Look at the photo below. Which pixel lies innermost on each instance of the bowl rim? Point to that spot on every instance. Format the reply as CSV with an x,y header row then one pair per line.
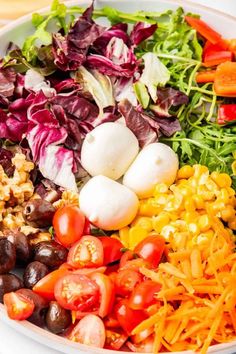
x,y
41,333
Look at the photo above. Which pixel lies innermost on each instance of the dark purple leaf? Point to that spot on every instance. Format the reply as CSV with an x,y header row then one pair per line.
x,y
5,161
168,126
117,31
167,97
138,123
66,85
142,31
107,67
7,80
4,102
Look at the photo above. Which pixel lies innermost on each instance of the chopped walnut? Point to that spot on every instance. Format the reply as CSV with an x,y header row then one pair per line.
x,y
68,197
39,237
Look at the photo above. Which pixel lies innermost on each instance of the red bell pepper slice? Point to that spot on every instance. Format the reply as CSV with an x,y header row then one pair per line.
x,y
203,29
216,58
226,113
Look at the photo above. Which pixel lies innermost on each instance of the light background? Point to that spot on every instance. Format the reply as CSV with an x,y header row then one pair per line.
x,y
12,342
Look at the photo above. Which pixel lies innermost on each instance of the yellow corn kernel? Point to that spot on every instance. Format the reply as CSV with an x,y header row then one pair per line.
x,y
199,202
193,228
211,185
160,221
232,225
146,209
124,236
224,195
136,235
161,188
185,172
190,216
204,223
228,213
189,205
205,194
144,222
199,170
222,179
217,206
231,191
168,232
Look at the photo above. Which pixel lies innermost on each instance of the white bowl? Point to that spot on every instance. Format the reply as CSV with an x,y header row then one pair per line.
x,y
16,32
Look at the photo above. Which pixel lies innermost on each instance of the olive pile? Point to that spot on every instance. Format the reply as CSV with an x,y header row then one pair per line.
x,y
38,260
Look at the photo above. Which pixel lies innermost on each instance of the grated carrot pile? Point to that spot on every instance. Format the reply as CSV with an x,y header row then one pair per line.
x,y
197,300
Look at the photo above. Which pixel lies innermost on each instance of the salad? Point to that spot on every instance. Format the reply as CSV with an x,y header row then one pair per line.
x,y
118,178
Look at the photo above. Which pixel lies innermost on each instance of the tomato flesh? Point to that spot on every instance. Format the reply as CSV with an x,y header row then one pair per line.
x,y
126,280
127,256
18,306
107,293
87,252
111,248
68,223
77,292
115,339
151,249
45,286
143,295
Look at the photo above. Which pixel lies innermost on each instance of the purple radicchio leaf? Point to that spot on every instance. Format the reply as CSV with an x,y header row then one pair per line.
x,y
138,123
7,81
166,98
70,51
168,126
67,85
117,31
5,161
142,31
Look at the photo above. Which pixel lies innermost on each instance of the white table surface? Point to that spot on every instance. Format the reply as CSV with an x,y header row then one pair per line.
x,y
13,342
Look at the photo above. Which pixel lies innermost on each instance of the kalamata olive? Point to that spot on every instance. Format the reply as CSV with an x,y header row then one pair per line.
x,y
33,273
9,282
41,305
38,213
23,249
7,256
50,253
57,318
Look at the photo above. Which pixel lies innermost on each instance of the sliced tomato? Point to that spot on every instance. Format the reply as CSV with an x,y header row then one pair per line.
x,y
127,256
151,249
107,293
143,347
127,317
89,271
90,331
18,306
45,286
126,281
143,295
77,292
112,269
111,248
78,315
203,29
136,264
68,223
115,339
87,227
87,252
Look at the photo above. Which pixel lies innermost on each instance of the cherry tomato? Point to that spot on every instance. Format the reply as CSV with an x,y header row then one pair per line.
x,y
136,264
112,249
107,293
151,249
115,339
89,271
78,315
127,317
87,227
112,269
87,252
90,331
45,286
77,292
68,223
127,256
18,306
126,280
143,347
143,295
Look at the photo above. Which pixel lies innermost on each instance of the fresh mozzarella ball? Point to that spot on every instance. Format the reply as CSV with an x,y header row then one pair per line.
x,y
107,204
109,150
156,163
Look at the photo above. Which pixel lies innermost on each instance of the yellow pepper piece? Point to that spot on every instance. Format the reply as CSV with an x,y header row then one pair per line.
x,y
124,236
136,235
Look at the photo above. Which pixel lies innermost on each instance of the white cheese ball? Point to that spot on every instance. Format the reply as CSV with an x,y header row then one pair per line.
x,y
156,163
107,204
108,150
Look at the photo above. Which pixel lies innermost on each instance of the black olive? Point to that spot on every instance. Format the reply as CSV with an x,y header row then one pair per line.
x,y
57,318
39,213
7,256
41,305
21,243
9,282
33,273
50,253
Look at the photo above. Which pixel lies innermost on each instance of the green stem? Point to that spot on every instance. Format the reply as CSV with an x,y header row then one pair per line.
x,y
176,57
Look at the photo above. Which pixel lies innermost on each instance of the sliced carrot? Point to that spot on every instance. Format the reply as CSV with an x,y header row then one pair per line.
x,y
203,29
225,79
203,77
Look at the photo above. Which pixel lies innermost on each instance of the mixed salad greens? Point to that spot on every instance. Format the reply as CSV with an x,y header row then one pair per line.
x,y
72,80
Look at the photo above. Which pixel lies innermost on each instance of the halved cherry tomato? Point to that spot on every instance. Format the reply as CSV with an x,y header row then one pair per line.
x,y
136,264
127,256
151,249
77,292
87,227
203,29
112,269
89,271
115,339
87,252
111,248
107,293
68,223
144,347
126,280
143,295
90,331
127,317
45,286
78,315
18,306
